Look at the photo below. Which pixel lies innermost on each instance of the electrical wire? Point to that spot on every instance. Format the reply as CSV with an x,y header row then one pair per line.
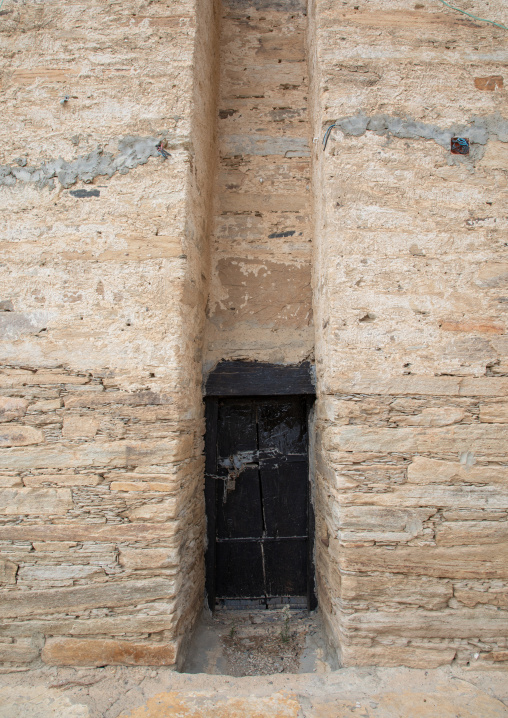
x,y
327,135
475,17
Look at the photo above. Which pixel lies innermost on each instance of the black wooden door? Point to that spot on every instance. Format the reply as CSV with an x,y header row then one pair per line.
x,y
257,471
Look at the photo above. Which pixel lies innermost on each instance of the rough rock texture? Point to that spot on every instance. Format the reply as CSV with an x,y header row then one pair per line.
x,y
126,271
409,284
105,271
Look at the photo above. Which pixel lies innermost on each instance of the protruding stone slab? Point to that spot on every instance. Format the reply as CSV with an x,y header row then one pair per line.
x,y
15,435
12,408
37,502
107,652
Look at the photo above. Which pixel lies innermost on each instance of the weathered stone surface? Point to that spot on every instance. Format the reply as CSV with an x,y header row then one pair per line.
x,y
88,532
473,533
155,511
148,558
487,441
12,408
386,655
472,598
433,417
494,413
428,471
8,571
440,562
362,382
455,496
102,652
93,454
15,435
38,502
448,623
46,405
118,593
110,626
168,487
60,575
20,651
79,427
395,588
117,292
10,481
62,480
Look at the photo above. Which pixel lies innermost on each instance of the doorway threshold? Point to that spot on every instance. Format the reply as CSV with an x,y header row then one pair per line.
x,y
242,642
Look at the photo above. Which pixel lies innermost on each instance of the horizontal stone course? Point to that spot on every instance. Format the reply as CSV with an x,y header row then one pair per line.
x,y
79,598
104,652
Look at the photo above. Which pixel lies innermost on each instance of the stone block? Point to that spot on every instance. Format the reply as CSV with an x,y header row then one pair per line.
x,y
62,480
413,623
482,440
8,571
21,650
443,416
59,574
428,471
135,398
381,590
89,532
154,511
437,561
472,533
392,655
15,435
489,84
46,405
53,546
79,427
454,496
105,626
483,327
471,597
12,408
80,598
134,559
95,454
7,482
166,487
362,382
484,386
494,413
107,652
37,502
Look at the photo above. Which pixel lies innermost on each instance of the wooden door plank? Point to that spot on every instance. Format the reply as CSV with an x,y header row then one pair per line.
x,y
239,510
211,414
286,567
285,500
239,569
241,378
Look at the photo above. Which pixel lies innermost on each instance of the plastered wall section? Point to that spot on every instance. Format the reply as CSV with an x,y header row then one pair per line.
x,y
259,307
104,268
411,350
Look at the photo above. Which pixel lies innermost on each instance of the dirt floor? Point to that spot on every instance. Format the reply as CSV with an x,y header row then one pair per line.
x,y
295,678
257,643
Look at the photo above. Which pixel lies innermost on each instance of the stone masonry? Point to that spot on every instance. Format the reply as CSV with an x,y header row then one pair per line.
x,y
128,274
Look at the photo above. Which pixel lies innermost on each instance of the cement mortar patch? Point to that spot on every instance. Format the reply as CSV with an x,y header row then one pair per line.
x,y
479,130
132,152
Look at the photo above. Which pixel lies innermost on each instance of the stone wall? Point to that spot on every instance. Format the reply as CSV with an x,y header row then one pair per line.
x,y
124,273
104,285
411,352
